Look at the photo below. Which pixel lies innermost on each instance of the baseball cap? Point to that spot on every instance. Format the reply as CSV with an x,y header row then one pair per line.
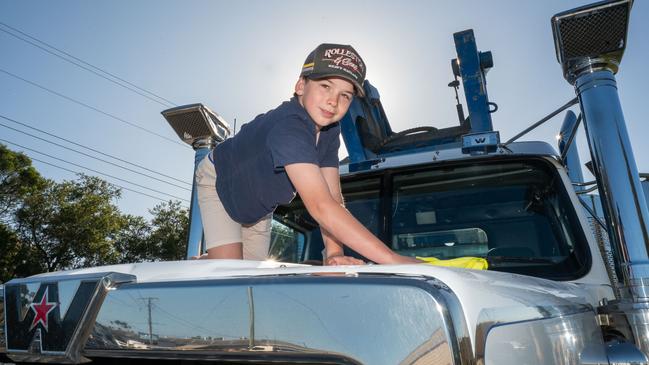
x,y
339,60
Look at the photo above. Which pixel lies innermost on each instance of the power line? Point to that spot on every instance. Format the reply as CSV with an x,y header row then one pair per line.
x,y
87,155
95,171
167,103
92,108
119,186
94,150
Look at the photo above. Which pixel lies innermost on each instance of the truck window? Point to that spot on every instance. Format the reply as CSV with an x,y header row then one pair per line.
x,y
515,213
286,243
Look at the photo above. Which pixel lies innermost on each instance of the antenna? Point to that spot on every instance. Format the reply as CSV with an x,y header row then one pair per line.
x,y
460,111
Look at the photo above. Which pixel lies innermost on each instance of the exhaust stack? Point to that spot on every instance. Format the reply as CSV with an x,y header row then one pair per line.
x,y
202,129
590,43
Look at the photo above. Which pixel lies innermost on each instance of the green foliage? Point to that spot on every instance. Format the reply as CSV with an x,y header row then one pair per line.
x,y
70,223
49,226
170,225
15,257
131,242
17,178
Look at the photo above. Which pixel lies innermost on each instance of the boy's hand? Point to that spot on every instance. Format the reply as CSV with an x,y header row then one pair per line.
x,y
343,260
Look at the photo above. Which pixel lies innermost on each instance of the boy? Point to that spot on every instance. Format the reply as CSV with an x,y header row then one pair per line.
x,y
291,148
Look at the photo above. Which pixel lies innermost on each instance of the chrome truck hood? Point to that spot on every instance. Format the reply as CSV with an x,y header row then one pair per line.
x,y
223,309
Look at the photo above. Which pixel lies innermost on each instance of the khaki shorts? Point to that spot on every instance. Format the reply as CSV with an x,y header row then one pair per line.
x,y
218,227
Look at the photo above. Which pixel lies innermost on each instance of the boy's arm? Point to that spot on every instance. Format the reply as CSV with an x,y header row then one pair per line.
x,y
333,248
335,219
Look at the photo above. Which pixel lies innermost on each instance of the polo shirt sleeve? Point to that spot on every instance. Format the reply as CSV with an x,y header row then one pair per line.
x,y
330,157
291,141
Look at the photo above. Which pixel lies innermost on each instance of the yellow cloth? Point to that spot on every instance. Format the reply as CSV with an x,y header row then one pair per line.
x,y
468,262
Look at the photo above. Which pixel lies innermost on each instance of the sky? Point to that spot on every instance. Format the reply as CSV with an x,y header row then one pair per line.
x,y
242,58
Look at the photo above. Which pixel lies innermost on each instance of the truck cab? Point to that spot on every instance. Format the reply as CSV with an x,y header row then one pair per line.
x,y
516,207
555,292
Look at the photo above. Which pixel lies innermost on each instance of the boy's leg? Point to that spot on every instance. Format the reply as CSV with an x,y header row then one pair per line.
x,y
222,234
256,239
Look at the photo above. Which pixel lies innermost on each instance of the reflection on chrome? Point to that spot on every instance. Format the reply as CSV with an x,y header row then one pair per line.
x,y
366,320
569,339
631,319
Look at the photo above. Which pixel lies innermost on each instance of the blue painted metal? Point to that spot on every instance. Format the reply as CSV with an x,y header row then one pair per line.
x,y
376,139
360,108
471,66
350,133
572,160
195,240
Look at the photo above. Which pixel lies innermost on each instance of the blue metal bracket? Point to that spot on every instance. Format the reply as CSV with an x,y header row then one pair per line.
x,y
471,66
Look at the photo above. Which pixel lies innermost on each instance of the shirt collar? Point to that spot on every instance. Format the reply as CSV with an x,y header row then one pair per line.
x,y
295,105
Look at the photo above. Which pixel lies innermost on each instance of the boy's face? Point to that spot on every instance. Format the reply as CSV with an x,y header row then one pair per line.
x,y
326,100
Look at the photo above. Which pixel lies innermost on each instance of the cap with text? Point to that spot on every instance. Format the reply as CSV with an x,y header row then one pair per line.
x,y
335,60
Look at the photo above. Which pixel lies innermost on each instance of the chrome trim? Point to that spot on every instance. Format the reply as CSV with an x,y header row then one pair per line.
x,y
491,318
568,149
623,201
204,357
514,149
29,288
591,65
560,340
630,319
624,353
456,323
379,319
195,229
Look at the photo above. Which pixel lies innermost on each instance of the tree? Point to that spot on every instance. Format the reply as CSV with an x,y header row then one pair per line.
x,y
70,224
17,178
49,226
132,243
170,227
16,260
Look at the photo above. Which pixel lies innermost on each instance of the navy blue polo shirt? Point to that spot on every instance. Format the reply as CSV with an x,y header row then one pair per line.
x,y
251,180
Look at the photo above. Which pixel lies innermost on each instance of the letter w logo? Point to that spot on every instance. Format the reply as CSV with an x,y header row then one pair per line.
x,y
480,140
40,318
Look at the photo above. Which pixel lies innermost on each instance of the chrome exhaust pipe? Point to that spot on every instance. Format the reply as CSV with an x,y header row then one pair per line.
x,y
590,43
202,129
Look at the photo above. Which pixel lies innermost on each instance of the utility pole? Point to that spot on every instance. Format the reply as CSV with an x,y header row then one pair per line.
x,y
149,301
251,312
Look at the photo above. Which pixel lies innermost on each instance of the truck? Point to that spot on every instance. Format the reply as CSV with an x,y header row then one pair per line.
x,y
567,279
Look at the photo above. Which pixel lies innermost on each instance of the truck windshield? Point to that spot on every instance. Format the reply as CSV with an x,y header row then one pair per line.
x,y
516,214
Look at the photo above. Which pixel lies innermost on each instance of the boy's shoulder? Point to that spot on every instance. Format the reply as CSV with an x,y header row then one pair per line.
x,y
291,107
287,112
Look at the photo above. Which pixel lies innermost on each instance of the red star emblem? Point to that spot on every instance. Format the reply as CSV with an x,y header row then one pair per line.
x,y
42,310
